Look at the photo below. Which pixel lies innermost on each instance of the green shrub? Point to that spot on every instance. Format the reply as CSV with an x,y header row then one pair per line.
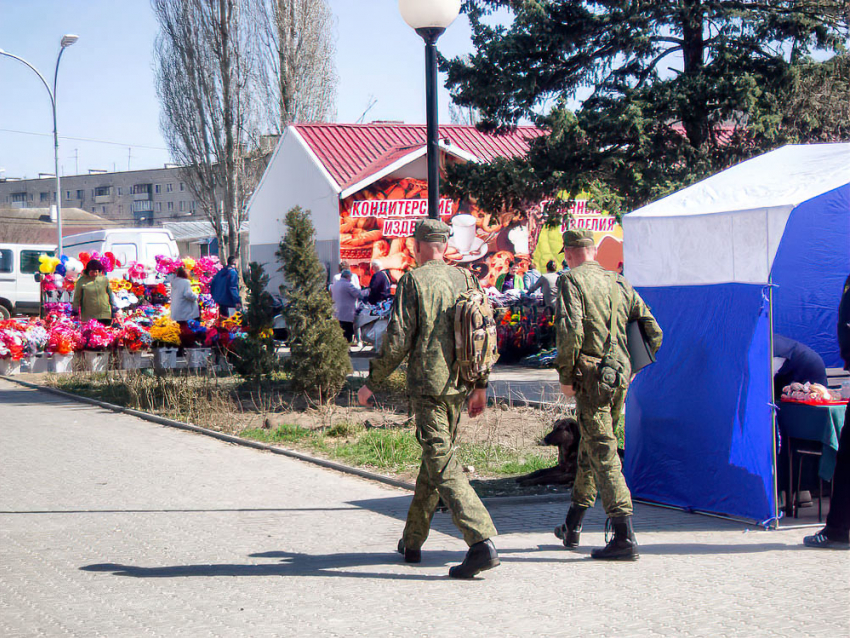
x,y
318,363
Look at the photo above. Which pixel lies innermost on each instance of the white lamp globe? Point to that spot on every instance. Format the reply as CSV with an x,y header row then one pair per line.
x,y
429,14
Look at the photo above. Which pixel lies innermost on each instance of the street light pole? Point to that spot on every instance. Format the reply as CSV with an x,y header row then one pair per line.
x,y
67,40
430,19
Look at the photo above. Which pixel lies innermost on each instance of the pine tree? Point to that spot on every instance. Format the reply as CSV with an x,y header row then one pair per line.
x,y
254,356
640,97
319,361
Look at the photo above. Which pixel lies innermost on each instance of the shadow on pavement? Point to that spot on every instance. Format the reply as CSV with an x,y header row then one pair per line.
x,y
297,564
185,511
291,564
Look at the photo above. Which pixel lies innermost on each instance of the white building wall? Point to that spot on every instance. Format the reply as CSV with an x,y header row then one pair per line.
x,y
294,177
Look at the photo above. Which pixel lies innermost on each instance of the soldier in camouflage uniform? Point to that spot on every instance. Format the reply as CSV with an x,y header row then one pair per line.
x,y
422,328
596,368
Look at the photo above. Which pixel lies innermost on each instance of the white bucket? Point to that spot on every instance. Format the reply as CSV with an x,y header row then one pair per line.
x,y
96,361
61,363
40,364
165,358
131,360
26,363
9,368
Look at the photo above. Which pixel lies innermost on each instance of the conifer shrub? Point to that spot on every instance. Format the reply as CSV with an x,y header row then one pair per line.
x,y
318,364
254,356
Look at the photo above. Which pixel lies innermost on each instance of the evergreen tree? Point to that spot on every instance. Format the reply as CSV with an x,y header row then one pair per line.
x,y
646,95
254,356
319,361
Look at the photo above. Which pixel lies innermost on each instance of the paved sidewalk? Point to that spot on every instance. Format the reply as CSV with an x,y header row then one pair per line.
x,y
113,526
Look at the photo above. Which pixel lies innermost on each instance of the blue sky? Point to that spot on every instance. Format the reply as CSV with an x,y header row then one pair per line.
x,y
106,89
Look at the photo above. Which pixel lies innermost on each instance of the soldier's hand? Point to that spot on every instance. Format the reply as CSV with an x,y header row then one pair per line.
x,y
477,402
363,396
568,390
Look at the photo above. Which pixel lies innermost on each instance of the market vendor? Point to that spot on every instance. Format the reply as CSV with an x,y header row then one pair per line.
x,y
510,280
93,297
801,364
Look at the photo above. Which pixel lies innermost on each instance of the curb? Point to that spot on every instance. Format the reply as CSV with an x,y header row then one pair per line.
x,y
346,469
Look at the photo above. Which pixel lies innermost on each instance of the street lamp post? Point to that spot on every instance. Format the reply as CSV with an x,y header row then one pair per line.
x,y
430,18
67,40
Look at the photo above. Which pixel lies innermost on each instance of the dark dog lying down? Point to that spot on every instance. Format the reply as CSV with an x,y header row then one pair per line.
x,y
566,435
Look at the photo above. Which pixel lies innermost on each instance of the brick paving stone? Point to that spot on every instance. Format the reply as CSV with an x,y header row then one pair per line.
x,y
113,526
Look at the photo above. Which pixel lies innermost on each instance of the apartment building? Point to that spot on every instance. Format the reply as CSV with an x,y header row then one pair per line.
x,y
148,197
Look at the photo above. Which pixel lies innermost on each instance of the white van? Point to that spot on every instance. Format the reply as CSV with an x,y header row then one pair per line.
x,y
19,291
127,244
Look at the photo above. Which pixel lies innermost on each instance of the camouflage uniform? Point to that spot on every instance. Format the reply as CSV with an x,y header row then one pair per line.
x,y
422,328
582,320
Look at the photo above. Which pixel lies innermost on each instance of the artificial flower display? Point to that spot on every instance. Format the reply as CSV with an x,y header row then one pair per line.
x,y
166,331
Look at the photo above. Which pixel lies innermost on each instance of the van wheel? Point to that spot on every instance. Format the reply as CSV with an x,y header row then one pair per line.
x,y
4,313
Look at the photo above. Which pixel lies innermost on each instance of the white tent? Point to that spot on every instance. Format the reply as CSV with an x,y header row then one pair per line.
x,y
762,246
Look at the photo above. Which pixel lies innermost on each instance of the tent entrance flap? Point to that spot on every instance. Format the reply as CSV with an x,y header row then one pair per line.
x,y
699,427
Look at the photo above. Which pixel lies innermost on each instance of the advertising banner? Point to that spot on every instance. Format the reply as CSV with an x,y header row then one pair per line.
x,y
378,223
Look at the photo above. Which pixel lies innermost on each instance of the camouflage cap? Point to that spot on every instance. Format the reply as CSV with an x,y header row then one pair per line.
x,y
432,230
578,239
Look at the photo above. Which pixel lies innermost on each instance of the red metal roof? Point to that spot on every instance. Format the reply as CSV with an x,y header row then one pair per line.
x,y
352,152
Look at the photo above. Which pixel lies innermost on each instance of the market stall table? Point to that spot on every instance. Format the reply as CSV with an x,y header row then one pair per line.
x,y
809,422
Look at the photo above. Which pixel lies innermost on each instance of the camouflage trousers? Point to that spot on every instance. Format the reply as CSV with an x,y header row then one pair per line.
x,y
441,475
599,467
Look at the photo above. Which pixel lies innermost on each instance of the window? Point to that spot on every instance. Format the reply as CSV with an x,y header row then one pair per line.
x,y
159,207
101,191
156,188
6,258
192,205
143,206
168,188
44,197
29,260
103,209
182,206
19,197
67,194
182,187
80,194
120,208
170,207
141,189
120,191
125,253
204,250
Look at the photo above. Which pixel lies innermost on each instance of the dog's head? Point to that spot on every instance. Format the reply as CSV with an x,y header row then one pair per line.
x,y
564,433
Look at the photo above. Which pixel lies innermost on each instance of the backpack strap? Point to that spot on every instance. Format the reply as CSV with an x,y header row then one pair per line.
x,y
613,333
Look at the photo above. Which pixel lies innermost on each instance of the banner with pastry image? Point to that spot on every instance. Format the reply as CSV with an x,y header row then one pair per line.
x,y
378,223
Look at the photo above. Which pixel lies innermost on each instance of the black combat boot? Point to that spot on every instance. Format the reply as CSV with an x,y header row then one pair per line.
x,y
410,555
570,531
480,557
623,546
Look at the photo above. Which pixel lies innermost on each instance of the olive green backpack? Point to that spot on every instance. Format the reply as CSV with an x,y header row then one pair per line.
x,y
476,339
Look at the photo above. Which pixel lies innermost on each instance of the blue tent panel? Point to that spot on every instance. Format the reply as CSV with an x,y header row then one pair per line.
x,y
809,270
699,427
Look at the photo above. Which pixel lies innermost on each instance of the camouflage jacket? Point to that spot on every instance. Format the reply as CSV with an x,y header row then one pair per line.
x,y
422,327
583,313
